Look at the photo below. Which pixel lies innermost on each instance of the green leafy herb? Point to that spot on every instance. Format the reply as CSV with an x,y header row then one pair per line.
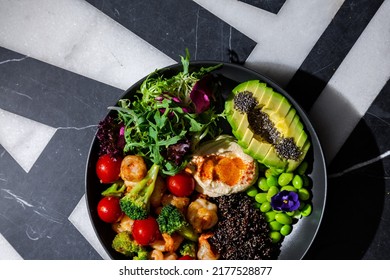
x,y
162,116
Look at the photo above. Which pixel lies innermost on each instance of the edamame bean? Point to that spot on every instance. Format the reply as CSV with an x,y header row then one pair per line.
x,y
265,207
306,180
306,210
283,218
301,169
272,181
275,236
261,197
285,230
285,178
291,213
263,184
289,188
271,192
270,216
297,182
268,173
252,191
303,194
275,225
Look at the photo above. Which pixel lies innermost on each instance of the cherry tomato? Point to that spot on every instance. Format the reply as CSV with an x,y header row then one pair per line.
x,y
186,257
181,184
108,209
145,231
108,169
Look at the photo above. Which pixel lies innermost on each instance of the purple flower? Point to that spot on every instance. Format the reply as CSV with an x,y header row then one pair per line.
x,y
285,201
201,94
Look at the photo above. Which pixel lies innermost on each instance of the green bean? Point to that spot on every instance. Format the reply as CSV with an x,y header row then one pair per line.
x,y
306,210
261,197
285,178
283,218
286,230
275,236
303,194
297,182
265,207
262,184
275,225
272,181
252,191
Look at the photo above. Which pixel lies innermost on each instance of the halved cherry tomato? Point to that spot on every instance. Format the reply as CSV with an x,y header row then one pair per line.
x,y
181,184
109,210
108,169
186,257
145,231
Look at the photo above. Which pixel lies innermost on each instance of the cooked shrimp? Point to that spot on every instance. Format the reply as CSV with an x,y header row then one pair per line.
x,y
170,256
169,243
202,214
205,251
124,224
133,168
156,255
180,202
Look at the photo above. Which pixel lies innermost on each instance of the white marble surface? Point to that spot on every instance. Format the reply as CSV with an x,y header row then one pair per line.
x,y
7,252
355,85
74,35
23,138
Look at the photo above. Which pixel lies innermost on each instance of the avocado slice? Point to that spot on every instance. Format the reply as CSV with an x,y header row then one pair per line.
x,y
266,126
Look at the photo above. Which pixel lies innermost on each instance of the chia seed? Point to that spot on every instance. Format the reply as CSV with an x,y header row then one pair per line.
x,y
261,125
287,149
244,102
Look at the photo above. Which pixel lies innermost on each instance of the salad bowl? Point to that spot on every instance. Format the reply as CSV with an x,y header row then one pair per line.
x,y
296,244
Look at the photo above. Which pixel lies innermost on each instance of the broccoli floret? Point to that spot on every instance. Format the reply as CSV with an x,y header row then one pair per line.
x,y
125,244
116,189
188,248
171,220
136,202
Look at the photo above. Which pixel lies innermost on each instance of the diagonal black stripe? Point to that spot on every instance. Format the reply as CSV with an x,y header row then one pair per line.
x,y
330,50
173,25
273,6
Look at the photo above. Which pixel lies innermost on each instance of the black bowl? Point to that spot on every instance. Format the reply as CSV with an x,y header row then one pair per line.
x,y
295,245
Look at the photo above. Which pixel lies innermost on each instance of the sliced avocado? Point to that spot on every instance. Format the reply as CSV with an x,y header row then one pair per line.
x,y
266,125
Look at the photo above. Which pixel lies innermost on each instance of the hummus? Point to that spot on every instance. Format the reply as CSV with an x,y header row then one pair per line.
x,y
220,167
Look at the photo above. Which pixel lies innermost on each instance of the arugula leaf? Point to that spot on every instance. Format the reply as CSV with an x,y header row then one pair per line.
x,y
161,116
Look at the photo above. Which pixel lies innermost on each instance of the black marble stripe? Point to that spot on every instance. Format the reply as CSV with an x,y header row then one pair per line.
x,y
51,95
330,50
272,6
34,210
173,25
364,191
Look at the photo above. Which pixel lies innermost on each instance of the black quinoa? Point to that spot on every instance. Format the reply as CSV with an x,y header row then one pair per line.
x,y
242,232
